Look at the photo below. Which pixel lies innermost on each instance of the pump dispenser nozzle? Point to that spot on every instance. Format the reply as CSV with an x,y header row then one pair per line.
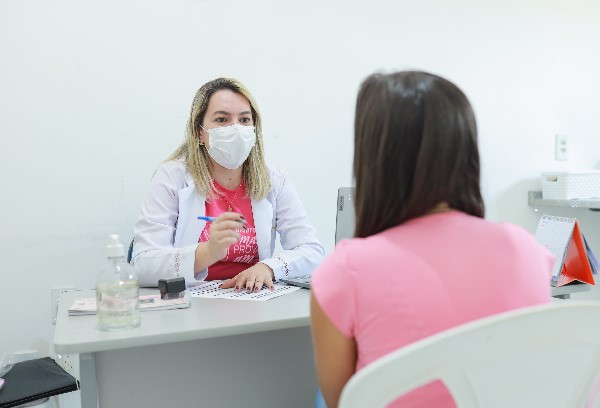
x,y
115,249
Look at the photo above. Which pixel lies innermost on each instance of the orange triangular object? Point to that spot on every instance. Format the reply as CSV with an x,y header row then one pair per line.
x,y
576,266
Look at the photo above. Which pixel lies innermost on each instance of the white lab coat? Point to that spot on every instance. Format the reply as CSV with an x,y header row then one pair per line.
x,y
167,232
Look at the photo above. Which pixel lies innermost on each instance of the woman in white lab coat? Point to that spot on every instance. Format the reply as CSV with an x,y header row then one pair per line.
x,y
219,173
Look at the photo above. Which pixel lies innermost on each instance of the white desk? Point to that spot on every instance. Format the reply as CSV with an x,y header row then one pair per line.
x,y
217,353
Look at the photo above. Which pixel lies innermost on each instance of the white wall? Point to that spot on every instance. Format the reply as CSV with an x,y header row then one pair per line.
x,y
93,95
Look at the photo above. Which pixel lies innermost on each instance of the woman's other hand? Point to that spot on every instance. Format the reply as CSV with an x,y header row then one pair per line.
x,y
251,279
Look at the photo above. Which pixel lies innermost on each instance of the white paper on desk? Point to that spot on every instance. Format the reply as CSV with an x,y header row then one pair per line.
x,y
211,290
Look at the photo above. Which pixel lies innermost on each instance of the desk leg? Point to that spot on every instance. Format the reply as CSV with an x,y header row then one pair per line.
x,y
87,378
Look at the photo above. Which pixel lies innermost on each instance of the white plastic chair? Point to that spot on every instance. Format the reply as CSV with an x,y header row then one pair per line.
x,y
542,356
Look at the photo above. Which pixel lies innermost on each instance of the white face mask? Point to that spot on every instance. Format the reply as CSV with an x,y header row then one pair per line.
x,y
230,145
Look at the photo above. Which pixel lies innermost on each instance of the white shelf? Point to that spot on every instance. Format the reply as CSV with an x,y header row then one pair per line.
x,y
564,292
535,200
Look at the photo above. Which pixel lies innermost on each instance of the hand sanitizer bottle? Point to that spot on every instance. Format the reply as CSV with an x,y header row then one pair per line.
x,y
117,292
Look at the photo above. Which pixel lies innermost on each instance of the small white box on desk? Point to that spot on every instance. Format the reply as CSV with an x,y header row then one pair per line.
x,y
569,185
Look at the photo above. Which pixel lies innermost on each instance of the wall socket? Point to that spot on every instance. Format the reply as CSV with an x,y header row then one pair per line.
x,y
69,363
561,147
55,296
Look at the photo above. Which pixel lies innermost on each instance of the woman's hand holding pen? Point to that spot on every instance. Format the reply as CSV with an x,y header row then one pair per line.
x,y
223,234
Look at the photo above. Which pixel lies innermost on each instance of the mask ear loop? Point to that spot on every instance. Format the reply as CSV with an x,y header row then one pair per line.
x,y
199,141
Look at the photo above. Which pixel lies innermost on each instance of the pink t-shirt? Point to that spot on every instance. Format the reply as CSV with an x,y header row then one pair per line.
x,y
244,253
427,275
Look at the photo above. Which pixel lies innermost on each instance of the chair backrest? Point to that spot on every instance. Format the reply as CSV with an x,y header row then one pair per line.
x,y
542,356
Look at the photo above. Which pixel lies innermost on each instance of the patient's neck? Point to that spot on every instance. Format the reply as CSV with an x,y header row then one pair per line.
x,y
440,208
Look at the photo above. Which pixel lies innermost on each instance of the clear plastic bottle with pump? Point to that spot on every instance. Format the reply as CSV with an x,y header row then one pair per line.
x,y
117,291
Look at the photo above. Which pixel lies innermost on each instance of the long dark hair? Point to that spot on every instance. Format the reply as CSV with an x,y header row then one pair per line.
x,y
415,146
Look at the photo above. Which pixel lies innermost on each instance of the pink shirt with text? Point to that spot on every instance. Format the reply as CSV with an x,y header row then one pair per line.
x,y
244,253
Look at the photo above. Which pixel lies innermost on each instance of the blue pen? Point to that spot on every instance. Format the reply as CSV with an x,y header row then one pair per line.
x,y
211,219
207,218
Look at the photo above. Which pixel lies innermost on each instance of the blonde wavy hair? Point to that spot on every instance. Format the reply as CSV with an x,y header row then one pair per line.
x,y
254,171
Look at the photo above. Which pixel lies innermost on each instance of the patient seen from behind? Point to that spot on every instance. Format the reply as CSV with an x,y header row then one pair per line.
x,y
423,258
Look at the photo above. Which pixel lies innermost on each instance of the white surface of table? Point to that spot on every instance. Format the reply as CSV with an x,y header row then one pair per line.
x,y
216,353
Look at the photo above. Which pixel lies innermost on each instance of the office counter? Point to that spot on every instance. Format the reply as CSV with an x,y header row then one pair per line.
x,y
217,353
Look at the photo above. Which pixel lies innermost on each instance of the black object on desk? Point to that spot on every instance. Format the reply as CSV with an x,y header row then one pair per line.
x,y
171,288
32,380
302,281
